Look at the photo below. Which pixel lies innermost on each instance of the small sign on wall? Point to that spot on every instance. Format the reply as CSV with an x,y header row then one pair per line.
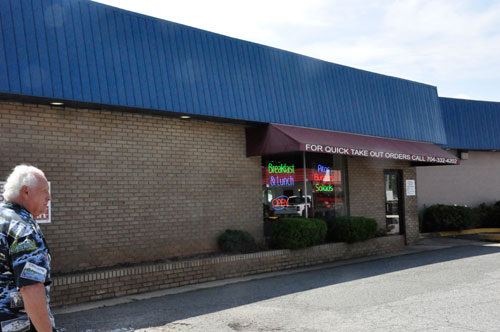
x,y
44,218
410,188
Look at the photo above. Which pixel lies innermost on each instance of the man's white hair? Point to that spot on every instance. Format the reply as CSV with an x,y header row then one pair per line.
x,y
22,175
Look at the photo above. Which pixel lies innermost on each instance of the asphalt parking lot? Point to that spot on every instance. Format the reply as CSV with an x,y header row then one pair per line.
x,y
437,285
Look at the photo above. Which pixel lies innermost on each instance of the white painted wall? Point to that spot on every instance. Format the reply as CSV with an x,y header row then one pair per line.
x,y
474,181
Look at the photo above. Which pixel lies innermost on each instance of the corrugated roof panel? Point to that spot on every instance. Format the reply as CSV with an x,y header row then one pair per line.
x,y
187,76
219,76
63,23
203,67
342,96
384,120
78,41
168,72
85,51
97,48
308,71
320,100
115,46
4,78
471,124
214,76
110,62
33,71
281,96
144,68
72,45
25,65
252,85
88,64
268,103
153,60
324,93
226,85
10,48
236,79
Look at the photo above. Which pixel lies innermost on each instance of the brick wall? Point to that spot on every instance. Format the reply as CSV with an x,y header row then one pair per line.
x,y
411,207
130,188
92,286
367,191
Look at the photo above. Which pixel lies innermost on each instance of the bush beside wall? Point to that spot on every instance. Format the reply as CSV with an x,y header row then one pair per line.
x,y
296,233
351,229
439,217
488,215
236,241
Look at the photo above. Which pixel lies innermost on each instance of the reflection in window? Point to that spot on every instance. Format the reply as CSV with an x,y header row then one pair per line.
x,y
284,192
325,178
283,184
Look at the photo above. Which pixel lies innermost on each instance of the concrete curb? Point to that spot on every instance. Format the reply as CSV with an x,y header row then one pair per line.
x,y
494,237
470,231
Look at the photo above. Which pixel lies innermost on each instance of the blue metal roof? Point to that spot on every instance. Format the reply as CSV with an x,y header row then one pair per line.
x,y
83,51
471,124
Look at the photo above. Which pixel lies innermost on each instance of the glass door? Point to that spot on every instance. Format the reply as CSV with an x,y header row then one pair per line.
x,y
394,202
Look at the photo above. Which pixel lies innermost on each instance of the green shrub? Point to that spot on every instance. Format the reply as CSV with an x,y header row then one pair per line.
x,y
439,217
296,233
236,241
317,231
351,229
495,214
488,215
484,214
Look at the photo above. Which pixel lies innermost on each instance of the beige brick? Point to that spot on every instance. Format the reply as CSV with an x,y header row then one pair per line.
x,y
122,194
367,191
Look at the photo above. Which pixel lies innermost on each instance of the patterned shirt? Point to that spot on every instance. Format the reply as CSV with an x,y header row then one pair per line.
x,y
24,260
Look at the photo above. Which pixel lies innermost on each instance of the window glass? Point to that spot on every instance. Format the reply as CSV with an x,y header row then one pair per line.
x,y
283,185
285,195
326,185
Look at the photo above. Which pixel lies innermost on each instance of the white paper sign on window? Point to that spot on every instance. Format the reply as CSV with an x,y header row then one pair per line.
x,y
44,218
410,188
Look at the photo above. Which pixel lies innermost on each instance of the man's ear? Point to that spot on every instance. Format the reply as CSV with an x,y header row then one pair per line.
x,y
24,191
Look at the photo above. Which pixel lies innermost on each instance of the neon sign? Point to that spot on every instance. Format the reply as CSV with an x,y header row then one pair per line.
x,y
282,181
334,176
280,202
282,168
323,169
326,174
323,188
282,175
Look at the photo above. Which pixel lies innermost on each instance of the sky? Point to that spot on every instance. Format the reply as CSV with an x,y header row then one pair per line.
x,y
451,44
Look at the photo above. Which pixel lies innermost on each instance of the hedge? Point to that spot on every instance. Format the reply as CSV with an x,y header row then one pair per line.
x,y
296,233
236,241
351,229
439,217
488,215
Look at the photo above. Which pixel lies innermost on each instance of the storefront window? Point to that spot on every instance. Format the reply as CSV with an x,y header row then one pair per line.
x,y
286,194
283,185
325,175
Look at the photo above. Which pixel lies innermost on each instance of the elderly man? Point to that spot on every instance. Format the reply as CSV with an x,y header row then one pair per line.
x,y
24,254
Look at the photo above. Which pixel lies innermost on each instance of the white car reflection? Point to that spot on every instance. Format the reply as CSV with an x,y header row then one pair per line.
x,y
296,207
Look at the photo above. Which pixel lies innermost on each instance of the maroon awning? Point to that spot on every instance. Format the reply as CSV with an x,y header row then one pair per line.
x,y
274,138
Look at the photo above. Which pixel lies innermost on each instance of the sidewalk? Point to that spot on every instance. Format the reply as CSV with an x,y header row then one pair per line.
x,y
424,244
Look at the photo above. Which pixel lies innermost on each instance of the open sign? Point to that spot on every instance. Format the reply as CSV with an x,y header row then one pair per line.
x,y
44,218
280,202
